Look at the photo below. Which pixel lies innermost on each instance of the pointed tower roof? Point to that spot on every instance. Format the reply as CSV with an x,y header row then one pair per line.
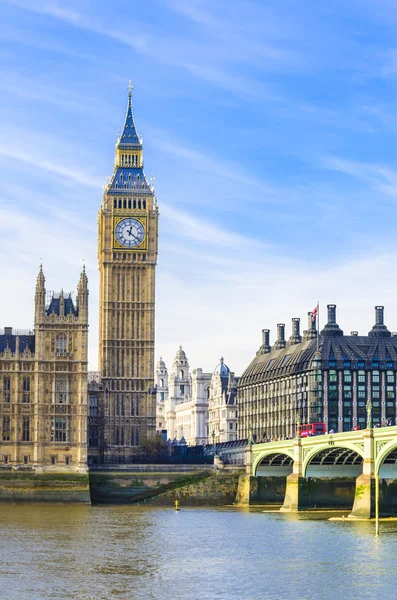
x,y
40,282
83,281
128,177
129,138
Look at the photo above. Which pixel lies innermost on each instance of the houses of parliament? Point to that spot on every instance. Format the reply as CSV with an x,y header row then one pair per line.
x,y
51,411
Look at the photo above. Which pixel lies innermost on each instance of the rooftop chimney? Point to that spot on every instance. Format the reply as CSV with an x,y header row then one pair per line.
x,y
355,333
311,332
379,328
296,336
265,348
332,327
280,343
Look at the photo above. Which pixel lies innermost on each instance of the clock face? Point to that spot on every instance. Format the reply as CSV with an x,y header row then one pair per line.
x,y
130,232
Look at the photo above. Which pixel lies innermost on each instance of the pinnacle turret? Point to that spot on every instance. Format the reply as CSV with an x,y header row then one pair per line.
x,y
40,282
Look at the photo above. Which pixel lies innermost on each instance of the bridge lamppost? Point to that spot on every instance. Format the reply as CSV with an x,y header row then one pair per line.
x,y
369,414
298,422
250,435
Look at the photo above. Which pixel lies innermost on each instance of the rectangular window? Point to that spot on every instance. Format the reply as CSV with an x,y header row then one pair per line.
x,y
6,429
181,390
93,407
26,429
62,390
347,376
26,459
6,389
6,458
390,377
26,390
333,376
361,377
375,376
93,436
60,429
162,396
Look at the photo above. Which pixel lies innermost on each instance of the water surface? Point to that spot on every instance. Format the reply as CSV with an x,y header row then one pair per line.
x,y
141,553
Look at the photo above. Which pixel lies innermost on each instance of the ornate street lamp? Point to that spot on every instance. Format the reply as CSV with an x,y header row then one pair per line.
x,y
369,414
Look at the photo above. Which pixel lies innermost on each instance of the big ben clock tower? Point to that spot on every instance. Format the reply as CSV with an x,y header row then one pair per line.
x,y
127,254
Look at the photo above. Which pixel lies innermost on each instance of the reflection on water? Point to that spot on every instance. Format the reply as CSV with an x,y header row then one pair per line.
x,y
141,553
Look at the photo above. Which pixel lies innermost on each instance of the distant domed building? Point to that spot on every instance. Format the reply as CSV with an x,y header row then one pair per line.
x,y
222,407
182,401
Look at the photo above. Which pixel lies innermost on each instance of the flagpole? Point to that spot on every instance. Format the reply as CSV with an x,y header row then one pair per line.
x,y
318,322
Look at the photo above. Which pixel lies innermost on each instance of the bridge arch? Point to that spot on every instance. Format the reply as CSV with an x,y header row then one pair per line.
x,y
273,458
388,451
333,459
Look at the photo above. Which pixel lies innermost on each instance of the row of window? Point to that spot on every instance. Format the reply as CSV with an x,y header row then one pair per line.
x,y
61,390
130,160
60,429
128,203
26,459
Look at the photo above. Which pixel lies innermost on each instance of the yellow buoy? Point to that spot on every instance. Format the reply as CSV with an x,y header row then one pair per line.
x,y
177,505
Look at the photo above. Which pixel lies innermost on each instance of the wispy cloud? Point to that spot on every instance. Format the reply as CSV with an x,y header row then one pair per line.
x,y
30,157
380,177
202,230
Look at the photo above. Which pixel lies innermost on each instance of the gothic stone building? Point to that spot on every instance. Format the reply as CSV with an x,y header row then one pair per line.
x,y
43,378
127,256
296,381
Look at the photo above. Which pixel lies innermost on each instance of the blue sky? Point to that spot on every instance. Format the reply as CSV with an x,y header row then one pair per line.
x,y
270,129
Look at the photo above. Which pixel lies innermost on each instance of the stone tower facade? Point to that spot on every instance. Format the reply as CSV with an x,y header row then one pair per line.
x,y
43,378
127,255
161,394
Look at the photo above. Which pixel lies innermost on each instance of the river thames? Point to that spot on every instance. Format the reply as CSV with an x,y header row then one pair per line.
x,y
142,553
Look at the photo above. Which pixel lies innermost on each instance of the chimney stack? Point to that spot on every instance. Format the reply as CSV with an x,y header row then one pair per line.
x,y
280,343
332,327
311,332
379,328
265,348
296,336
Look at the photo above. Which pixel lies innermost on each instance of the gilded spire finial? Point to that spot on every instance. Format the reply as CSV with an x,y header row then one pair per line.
x,y
130,88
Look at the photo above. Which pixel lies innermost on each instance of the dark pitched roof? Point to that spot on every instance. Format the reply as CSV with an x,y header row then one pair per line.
x,y
9,340
337,351
54,306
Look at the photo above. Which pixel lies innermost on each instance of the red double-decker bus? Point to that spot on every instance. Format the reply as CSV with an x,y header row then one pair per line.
x,y
311,429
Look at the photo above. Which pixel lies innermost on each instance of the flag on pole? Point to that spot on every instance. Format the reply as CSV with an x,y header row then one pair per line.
x,y
314,313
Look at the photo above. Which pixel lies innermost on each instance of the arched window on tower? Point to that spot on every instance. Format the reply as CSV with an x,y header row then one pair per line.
x,y
115,203
129,203
181,374
144,204
125,201
119,202
161,382
139,204
129,176
134,203
138,177
60,344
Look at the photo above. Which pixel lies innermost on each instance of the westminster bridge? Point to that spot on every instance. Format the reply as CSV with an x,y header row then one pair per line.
x,y
325,471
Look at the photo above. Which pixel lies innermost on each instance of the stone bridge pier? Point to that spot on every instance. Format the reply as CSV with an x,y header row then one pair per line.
x,y
332,470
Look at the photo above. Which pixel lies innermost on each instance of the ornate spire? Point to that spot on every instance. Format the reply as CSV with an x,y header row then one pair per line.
x,y
83,282
129,138
40,283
